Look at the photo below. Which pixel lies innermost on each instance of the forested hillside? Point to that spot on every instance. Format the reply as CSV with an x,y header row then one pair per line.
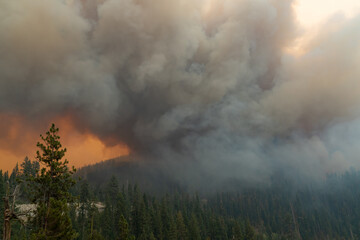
x,y
121,210
214,119
147,175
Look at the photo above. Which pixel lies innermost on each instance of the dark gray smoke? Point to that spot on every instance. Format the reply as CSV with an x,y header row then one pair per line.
x,y
205,86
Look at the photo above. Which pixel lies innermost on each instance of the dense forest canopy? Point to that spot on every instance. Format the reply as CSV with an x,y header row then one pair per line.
x,y
120,209
236,122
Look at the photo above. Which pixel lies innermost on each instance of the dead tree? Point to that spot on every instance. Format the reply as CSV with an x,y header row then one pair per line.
x,y
9,211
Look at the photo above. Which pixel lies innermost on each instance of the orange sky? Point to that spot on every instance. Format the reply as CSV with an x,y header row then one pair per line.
x,y
17,141
82,148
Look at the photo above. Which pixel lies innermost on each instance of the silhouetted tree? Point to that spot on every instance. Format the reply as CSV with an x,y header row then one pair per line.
x,y
50,189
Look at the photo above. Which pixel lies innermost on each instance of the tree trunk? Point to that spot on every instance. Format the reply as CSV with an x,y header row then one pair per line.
x,y
7,226
9,212
7,218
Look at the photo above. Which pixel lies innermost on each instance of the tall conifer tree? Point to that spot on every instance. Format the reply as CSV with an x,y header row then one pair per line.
x,y
50,189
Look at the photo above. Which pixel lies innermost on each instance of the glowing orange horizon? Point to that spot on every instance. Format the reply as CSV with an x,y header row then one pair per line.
x,y
83,148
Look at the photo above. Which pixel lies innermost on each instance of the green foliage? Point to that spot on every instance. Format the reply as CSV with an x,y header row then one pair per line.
x,y
237,232
194,229
182,232
95,235
91,224
54,179
138,216
113,212
29,168
249,233
50,188
108,225
124,231
112,191
84,192
58,223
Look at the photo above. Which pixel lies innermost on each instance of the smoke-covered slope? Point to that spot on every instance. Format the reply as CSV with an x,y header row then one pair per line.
x,y
282,210
148,177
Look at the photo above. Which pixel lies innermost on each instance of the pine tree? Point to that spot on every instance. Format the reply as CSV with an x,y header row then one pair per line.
x,y
73,213
84,209
13,176
139,218
58,223
124,232
152,237
172,231
156,222
194,230
237,233
181,228
249,233
50,187
94,222
121,207
112,191
95,235
28,169
108,221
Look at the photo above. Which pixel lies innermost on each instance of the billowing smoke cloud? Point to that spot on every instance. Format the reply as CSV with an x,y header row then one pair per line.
x,y
205,86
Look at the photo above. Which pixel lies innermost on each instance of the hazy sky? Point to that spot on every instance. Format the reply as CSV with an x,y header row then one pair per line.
x,y
183,81
313,12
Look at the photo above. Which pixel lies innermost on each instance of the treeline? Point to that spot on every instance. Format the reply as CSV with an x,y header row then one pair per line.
x,y
148,175
57,208
125,212
131,214
122,211
285,210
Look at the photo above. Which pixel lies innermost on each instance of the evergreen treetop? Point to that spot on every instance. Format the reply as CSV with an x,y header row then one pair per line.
x,y
54,179
51,190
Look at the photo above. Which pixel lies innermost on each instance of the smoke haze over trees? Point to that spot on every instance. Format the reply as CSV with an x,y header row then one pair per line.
x,y
119,209
206,90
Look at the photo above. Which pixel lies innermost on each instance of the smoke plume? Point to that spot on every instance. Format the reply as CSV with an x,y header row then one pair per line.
x,y
207,88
